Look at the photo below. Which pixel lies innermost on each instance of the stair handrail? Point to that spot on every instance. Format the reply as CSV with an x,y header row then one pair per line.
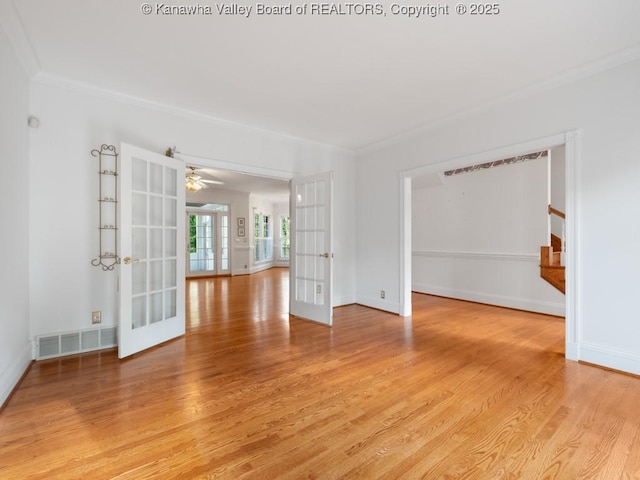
x,y
556,212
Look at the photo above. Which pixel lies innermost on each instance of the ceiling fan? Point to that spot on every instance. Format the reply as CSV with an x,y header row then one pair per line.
x,y
195,182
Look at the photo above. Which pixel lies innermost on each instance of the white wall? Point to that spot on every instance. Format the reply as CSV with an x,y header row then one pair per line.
x,y
557,191
64,287
477,237
501,209
606,109
15,349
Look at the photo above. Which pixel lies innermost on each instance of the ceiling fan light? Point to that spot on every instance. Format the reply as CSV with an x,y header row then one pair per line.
x,y
192,185
195,182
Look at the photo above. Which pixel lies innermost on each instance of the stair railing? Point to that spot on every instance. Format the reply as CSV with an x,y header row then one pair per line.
x,y
556,212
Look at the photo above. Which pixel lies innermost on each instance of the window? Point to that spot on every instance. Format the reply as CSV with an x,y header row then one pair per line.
x,y
263,236
285,241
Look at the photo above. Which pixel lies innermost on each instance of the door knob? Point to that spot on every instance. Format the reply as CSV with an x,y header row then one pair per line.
x,y
128,260
325,255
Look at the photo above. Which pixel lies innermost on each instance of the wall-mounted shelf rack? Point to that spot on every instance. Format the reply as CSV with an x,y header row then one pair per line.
x,y
107,207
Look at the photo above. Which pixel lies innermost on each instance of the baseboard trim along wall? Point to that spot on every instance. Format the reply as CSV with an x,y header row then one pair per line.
x,y
505,279
344,300
261,267
610,358
548,308
380,304
10,377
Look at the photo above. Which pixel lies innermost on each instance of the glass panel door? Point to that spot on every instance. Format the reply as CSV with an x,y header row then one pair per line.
x,y
311,248
202,252
151,295
207,243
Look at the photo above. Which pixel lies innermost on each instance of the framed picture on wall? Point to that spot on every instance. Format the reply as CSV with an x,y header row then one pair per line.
x,y
240,224
241,231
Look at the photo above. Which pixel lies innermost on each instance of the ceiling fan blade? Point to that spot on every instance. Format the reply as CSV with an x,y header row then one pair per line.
x,y
208,171
191,173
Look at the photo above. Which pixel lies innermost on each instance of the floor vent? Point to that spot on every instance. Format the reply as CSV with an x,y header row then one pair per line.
x,y
60,344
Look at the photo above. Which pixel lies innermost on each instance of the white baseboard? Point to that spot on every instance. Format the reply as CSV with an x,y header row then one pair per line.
x,y
240,271
572,351
10,377
380,304
548,308
607,357
258,268
261,267
344,300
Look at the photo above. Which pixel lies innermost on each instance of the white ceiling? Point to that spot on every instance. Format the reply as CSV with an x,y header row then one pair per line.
x,y
346,80
277,190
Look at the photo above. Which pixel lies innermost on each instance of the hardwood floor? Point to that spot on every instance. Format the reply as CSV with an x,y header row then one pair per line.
x,y
459,390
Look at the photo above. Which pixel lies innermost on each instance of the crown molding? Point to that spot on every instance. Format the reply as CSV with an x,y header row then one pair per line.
x,y
48,79
587,70
12,25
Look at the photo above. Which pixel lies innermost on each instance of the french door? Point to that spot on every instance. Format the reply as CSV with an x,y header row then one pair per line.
x,y
207,243
152,290
311,258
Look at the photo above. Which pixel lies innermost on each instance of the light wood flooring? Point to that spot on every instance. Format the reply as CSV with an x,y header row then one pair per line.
x,y
459,390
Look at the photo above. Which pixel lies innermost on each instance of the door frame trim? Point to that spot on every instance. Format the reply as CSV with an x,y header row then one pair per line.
x,y
571,140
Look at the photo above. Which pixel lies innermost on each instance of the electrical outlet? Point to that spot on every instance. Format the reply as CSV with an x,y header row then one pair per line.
x,y
382,294
96,317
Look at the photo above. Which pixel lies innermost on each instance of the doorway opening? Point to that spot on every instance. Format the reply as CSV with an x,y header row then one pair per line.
x,y
568,141
208,233
222,236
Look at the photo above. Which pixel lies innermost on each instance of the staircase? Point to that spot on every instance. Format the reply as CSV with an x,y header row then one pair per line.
x,y
550,268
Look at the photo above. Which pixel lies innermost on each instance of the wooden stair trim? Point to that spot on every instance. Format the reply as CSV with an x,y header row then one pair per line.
x,y
555,276
545,255
550,268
